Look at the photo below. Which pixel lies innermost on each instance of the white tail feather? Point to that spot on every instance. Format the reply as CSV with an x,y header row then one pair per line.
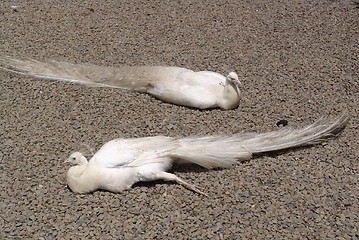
x,y
137,78
224,151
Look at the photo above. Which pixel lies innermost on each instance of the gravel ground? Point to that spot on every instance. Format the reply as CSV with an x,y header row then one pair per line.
x,y
298,60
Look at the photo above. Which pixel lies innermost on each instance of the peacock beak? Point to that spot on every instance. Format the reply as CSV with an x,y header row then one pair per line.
x,y
69,160
238,83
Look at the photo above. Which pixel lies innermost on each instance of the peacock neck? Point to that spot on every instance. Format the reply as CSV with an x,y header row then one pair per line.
x,y
231,95
77,179
232,86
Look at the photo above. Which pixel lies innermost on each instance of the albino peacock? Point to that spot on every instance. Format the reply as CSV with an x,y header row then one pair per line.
x,y
122,162
180,86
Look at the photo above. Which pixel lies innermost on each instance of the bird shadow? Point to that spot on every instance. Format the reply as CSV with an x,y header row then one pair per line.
x,y
152,184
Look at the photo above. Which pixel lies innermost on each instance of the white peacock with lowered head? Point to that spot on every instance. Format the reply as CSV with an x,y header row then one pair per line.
x,y
122,162
176,85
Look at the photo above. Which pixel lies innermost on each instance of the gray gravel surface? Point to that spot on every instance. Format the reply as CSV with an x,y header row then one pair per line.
x,y
298,60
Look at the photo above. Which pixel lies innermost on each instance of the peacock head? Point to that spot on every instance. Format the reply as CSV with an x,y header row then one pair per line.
x,y
76,158
233,78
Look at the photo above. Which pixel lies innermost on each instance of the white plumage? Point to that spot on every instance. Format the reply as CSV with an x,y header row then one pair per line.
x,y
180,86
122,162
